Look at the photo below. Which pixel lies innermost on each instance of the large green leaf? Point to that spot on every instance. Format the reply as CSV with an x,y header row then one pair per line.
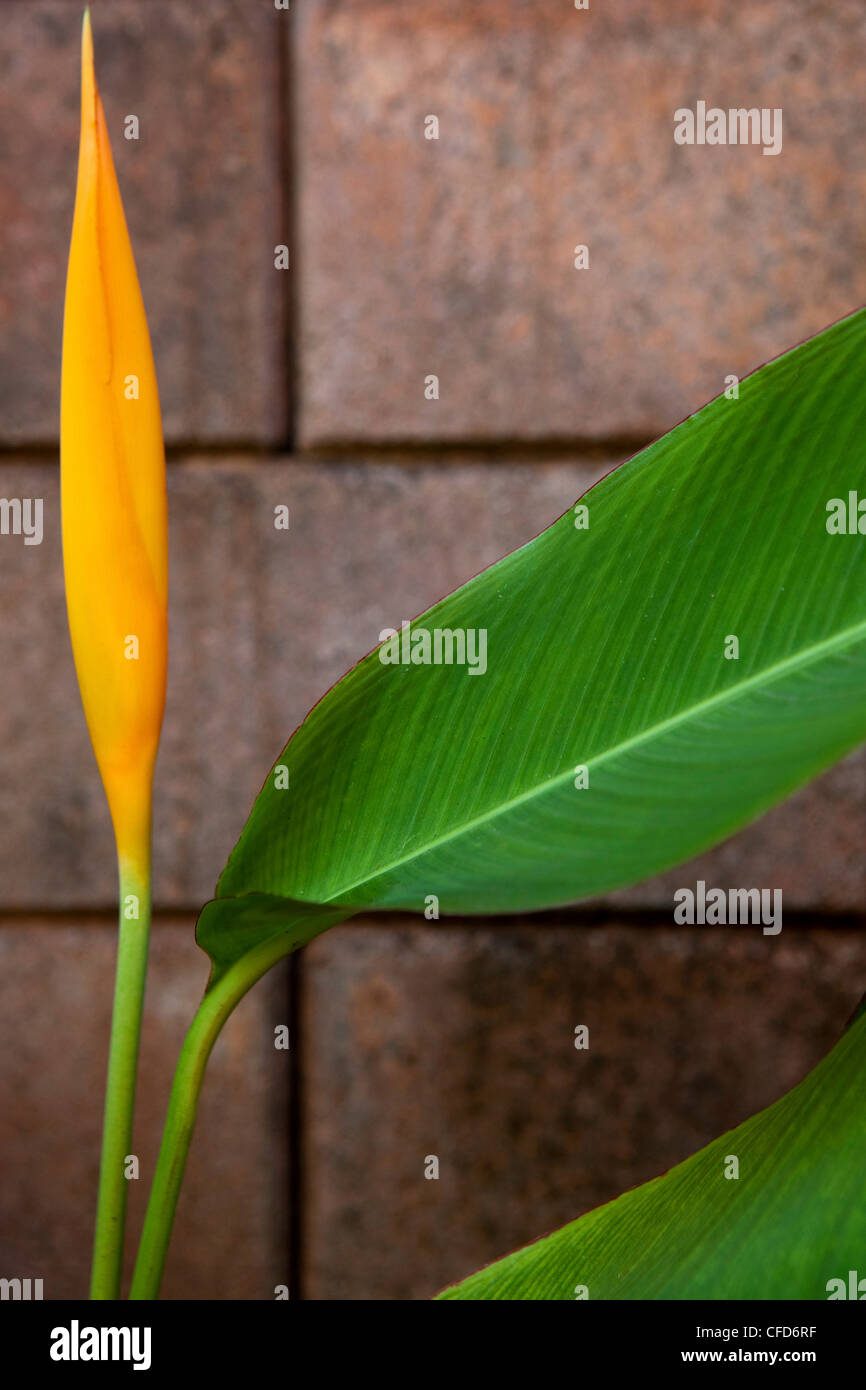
x,y
605,648
792,1221
231,929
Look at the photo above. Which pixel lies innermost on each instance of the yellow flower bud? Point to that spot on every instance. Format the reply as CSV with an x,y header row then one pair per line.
x,y
112,490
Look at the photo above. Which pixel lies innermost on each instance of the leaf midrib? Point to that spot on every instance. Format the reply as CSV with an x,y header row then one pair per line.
x,y
767,677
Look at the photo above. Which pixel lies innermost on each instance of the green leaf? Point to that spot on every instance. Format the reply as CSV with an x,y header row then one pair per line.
x,y
229,929
793,1220
605,648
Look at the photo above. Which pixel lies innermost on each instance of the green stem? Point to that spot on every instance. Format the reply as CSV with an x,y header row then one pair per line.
x,y
218,1002
120,1087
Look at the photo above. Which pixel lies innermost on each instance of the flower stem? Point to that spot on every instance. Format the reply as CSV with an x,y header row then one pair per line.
x,y
216,1006
120,1087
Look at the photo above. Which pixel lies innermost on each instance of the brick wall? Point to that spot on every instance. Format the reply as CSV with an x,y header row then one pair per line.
x,y
408,257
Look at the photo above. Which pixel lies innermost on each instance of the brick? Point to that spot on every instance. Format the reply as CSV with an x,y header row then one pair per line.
x,y
56,987
262,623
201,189
459,1042
455,256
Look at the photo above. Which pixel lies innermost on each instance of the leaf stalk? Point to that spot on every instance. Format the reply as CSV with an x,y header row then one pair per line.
x,y
133,936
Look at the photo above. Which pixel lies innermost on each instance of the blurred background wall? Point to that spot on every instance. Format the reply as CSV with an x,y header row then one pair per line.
x,y
408,257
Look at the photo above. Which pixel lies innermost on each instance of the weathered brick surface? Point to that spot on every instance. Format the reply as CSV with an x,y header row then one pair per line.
x,y
262,623
459,1043
455,256
201,187
56,981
